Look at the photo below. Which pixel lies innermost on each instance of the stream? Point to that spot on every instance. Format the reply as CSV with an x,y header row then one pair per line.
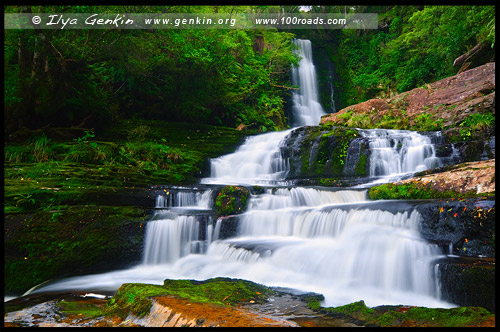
x,y
335,242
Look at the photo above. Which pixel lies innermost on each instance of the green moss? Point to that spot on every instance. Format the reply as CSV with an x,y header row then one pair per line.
x,y
329,154
357,309
313,300
339,153
88,310
421,316
221,291
77,239
361,165
412,316
231,200
414,191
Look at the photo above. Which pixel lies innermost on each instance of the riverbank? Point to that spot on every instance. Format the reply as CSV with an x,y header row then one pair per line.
x,y
72,205
223,302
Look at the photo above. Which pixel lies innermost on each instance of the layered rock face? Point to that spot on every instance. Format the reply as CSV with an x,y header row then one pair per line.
x,y
451,99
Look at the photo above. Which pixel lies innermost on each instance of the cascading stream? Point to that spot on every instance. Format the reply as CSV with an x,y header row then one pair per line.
x,y
333,242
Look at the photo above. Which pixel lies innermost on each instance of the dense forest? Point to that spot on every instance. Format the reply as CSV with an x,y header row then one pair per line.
x,y
229,77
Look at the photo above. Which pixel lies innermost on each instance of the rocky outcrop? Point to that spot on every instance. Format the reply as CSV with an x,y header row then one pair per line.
x,y
451,99
175,312
464,227
340,156
334,154
472,177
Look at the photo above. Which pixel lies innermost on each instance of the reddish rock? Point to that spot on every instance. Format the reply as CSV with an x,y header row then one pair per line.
x,y
477,177
175,312
452,99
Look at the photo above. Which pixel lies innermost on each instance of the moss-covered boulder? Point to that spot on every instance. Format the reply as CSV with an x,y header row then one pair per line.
x,y
231,200
326,153
135,298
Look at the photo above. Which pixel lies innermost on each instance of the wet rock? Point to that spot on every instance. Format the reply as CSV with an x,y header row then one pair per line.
x,y
460,227
468,281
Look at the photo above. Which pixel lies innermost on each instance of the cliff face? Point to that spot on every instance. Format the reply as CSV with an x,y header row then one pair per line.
x,y
451,99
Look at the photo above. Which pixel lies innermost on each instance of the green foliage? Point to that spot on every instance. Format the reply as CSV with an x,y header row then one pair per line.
x,y
424,122
40,149
359,121
475,122
216,76
391,121
414,45
88,134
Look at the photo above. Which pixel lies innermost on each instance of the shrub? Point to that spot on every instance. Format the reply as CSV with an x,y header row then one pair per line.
x,y
41,148
424,122
476,122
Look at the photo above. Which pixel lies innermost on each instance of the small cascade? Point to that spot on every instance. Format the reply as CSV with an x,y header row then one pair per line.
x,y
184,198
258,161
171,235
396,152
303,197
167,240
307,110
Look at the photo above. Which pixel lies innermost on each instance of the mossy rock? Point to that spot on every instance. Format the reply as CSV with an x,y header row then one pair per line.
x,y
70,241
416,191
135,298
406,316
323,153
231,200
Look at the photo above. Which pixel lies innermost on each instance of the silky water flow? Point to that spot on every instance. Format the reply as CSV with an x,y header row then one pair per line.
x,y
333,242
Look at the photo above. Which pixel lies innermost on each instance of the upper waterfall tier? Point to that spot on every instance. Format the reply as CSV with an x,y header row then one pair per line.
x,y
307,110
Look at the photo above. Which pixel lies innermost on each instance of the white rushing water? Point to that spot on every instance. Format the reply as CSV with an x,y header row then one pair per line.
x,y
397,153
307,110
258,161
333,242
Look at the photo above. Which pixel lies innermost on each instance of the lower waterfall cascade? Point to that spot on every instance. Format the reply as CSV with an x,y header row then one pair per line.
x,y
331,241
335,242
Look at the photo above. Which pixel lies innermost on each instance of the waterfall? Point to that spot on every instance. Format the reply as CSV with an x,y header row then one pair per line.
x,y
398,152
333,242
257,161
333,108
184,198
172,234
169,239
307,110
